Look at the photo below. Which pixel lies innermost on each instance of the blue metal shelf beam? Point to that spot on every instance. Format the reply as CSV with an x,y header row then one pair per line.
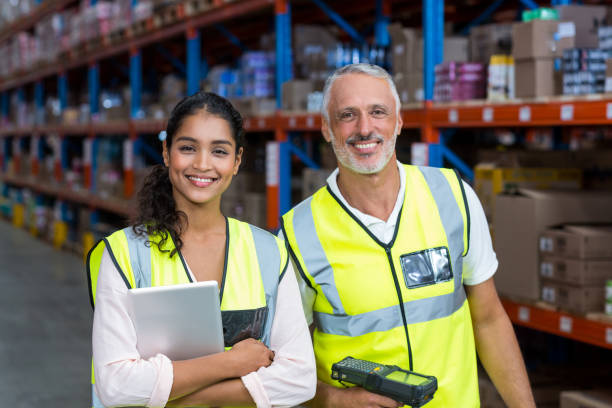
x,y
284,57
341,22
381,34
94,88
136,84
176,63
62,90
193,61
231,37
433,18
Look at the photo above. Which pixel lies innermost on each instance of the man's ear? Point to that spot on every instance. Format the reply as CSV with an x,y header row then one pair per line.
x,y
165,153
325,130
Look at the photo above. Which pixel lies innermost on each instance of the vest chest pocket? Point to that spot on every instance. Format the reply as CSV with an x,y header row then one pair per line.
x,y
240,325
426,267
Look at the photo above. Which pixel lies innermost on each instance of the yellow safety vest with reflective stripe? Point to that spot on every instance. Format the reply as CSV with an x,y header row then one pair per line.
x,y
367,305
255,261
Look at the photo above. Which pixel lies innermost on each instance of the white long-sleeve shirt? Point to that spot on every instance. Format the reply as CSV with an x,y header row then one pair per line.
x,y
124,378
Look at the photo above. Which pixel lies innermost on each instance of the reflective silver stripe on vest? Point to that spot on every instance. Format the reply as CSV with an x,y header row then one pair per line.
x,y
450,215
314,256
95,401
140,258
269,261
416,311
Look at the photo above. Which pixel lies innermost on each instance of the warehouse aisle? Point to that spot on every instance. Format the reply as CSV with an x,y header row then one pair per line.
x,y
45,322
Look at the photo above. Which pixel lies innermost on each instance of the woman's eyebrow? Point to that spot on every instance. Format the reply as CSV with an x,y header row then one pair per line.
x,y
186,139
222,142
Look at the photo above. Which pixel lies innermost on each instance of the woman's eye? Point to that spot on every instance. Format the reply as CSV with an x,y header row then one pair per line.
x,y
220,152
186,148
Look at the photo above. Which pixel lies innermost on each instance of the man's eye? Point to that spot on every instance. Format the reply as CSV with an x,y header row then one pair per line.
x,y
379,113
346,115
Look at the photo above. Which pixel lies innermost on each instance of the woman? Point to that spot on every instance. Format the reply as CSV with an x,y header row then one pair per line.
x,y
181,228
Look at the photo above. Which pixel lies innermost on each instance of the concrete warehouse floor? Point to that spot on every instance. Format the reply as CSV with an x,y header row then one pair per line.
x,y
45,324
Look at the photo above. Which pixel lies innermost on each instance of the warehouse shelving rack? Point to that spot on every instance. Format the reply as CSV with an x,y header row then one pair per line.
x,y
431,119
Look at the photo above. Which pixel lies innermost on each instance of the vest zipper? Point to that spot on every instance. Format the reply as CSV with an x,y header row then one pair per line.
x,y
401,303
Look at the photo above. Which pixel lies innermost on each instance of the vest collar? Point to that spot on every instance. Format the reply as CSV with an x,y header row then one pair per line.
x,y
363,227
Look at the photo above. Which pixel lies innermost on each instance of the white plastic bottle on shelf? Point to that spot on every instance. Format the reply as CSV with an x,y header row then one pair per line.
x,y
510,77
497,78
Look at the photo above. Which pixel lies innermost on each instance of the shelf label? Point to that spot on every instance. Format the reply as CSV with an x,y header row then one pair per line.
x,y
548,294
546,269
487,115
87,151
609,111
310,121
453,116
609,335
523,314
128,154
419,152
565,324
524,114
546,244
272,157
292,122
261,123
567,112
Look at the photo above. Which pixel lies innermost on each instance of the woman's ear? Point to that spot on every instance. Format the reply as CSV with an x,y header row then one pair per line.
x,y
165,153
238,161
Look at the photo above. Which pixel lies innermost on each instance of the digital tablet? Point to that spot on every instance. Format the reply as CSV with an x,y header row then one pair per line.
x,y
179,321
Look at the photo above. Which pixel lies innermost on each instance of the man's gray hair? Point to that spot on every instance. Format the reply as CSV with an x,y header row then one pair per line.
x,y
366,69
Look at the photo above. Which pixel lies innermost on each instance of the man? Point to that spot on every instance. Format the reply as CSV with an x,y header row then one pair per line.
x,y
396,262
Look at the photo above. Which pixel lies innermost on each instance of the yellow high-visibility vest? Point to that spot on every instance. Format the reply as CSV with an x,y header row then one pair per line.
x,y
255,261
400,303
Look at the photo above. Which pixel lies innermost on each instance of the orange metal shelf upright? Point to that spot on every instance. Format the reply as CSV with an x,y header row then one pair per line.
x,y
562,324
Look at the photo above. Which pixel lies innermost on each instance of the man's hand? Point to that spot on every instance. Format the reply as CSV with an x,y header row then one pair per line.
x,y
355,397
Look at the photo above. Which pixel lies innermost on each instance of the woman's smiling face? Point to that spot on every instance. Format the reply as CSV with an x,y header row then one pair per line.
x,y
202,159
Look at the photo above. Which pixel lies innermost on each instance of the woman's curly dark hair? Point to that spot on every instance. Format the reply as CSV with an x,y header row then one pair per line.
x,y
157,216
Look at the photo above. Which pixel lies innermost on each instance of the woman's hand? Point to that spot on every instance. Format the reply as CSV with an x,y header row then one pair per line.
x,y
249,355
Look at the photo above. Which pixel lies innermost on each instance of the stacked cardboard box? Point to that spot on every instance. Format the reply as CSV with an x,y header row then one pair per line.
x,y
488,40
407,59
490,181
575,263
520,219
536,44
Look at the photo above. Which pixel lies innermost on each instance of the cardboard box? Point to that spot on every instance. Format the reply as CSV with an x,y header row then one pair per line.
x,y
312,180
586,399
409,87
587,20
576,271
579,241
295,94
456,49
541,39
490,39
576,299
489,182
406,50
536,77
520,219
